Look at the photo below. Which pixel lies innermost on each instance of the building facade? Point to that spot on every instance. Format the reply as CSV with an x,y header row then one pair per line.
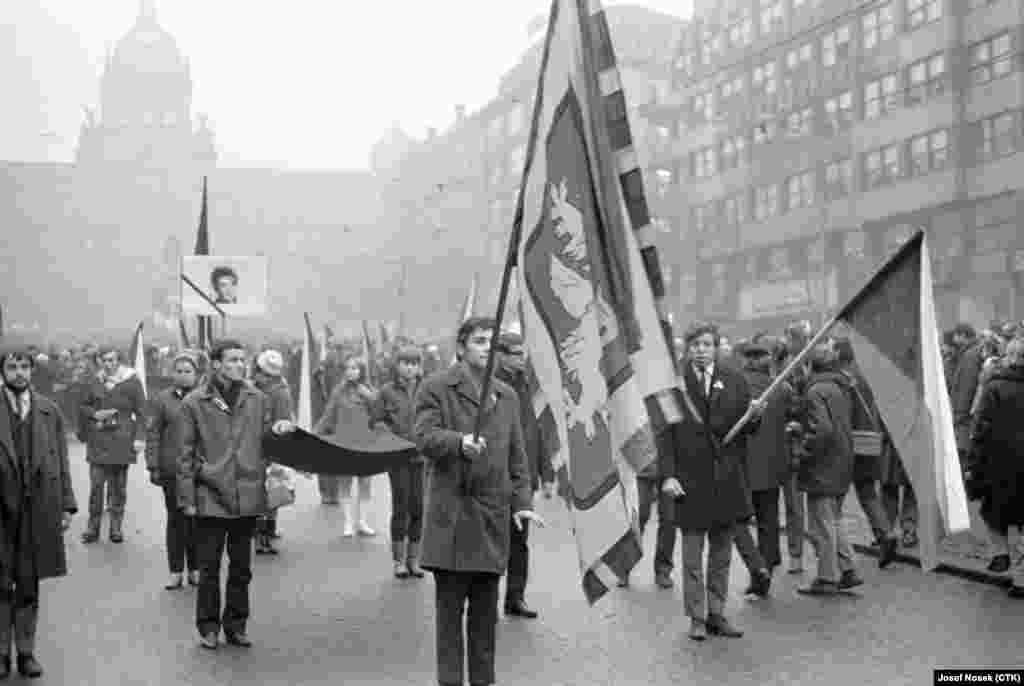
x,y
804,140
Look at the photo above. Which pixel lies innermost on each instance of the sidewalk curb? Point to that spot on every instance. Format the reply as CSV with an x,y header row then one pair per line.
x,y
983,577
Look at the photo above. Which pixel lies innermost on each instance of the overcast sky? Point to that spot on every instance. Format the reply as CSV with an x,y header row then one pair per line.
x,y
298,84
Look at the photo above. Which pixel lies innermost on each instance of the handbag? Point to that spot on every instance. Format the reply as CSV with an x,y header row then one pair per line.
x,y
280,491
870,442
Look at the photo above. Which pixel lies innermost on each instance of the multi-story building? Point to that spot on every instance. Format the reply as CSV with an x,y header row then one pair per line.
x,y
462,184
806,139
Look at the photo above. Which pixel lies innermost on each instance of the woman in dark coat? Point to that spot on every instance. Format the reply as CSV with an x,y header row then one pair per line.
x,y
998,450
112,415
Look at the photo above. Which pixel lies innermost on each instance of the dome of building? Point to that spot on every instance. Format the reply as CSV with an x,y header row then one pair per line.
x,y
148,48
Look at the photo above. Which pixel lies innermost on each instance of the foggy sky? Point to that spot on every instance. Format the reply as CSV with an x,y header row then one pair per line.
x,y
302,84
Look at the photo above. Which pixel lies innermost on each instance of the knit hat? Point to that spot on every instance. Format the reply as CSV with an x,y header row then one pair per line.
x,y
270,362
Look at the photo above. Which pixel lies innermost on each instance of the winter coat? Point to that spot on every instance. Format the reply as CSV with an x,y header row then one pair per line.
x,y
767,463
277,392
222,468
965,384
864,416
691,451
349,405
395,410
164,433
467,502
114,444
41,551
532,441
998,448
827,467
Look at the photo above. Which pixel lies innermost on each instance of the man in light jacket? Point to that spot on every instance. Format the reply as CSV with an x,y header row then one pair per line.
x,y
221,482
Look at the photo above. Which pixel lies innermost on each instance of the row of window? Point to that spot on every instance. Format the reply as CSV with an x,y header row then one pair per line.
x,y
931,152
876,25
988,59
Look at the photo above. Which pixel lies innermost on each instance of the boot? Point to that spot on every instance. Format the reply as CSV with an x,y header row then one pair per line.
x,y
349,529
398,555
92,530
116,536
413,560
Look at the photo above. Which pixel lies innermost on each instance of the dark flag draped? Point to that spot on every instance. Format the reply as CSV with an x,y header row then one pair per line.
x,y
363,453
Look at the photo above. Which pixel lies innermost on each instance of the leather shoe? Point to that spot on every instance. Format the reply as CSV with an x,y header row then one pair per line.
x,y
663,580
237,639
819,587
849,580
698,630
887,551
1000,564
720,626
29,667
175,583
209,641
519,608
5,666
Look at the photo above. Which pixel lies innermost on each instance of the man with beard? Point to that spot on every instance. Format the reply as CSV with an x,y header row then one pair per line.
x,y
221,477
37,503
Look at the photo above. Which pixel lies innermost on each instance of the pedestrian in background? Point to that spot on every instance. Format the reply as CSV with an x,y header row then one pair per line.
x,y
268,377
113,414
164,445
37,503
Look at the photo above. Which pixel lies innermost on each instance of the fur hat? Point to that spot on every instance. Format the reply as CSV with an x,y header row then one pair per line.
x,y
270,362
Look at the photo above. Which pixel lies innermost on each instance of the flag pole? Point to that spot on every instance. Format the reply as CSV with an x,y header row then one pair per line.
x,y
506,278
825,328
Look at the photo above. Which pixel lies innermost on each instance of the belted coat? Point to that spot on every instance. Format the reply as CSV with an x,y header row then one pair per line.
x,y
114,445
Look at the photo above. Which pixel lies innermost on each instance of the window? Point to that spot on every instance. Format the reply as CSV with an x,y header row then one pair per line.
x,y
921,12
929,153
765,132
704,163
991,58
839,112
998,136
734,210
838,179
835,46
765,79
710,46
704,217
766,202
733,149
741,31
662,182
703,108
801,190
798,59
882,166
688,60
878,25
772,18
880,96
926,78
799,123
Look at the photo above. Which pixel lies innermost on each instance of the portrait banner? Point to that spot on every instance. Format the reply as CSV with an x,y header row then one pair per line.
x,y
237,285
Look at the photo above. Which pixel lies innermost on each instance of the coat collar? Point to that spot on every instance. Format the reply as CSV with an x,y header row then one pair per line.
x,y
459,377
209,393
38,415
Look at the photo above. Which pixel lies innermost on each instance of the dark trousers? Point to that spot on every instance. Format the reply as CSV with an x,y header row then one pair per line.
x,y
19,613
407,502
518,563
649,491
213,535
180,537
113,478
467,618
765,553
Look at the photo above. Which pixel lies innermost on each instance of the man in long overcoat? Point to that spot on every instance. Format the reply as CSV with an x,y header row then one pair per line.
x,y
472,485
37,502
706,477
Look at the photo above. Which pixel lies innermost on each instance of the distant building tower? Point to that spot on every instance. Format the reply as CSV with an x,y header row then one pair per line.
x,y
387,154
146,104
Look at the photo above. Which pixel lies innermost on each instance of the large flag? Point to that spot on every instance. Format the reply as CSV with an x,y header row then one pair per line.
x,y
306,378
138,357
468,307
203,248
895,338
591,288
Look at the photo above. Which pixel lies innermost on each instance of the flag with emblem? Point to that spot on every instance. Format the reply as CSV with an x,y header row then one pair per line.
x,y
892,327
591,290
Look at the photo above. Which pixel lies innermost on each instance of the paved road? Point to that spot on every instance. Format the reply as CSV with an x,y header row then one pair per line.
x,y
327,612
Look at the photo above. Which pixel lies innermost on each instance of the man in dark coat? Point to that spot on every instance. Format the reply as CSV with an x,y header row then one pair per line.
x,y
163,450
965,384
473,484
512,370
222,482
826,471
766,470
998,447
37,503
706,477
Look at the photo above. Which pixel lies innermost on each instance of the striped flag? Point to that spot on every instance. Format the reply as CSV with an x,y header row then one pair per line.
x,y
138,357
468,307
591,290
895,338
309,353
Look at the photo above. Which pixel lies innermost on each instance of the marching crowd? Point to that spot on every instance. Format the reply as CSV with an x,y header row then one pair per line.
x,y
816,435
